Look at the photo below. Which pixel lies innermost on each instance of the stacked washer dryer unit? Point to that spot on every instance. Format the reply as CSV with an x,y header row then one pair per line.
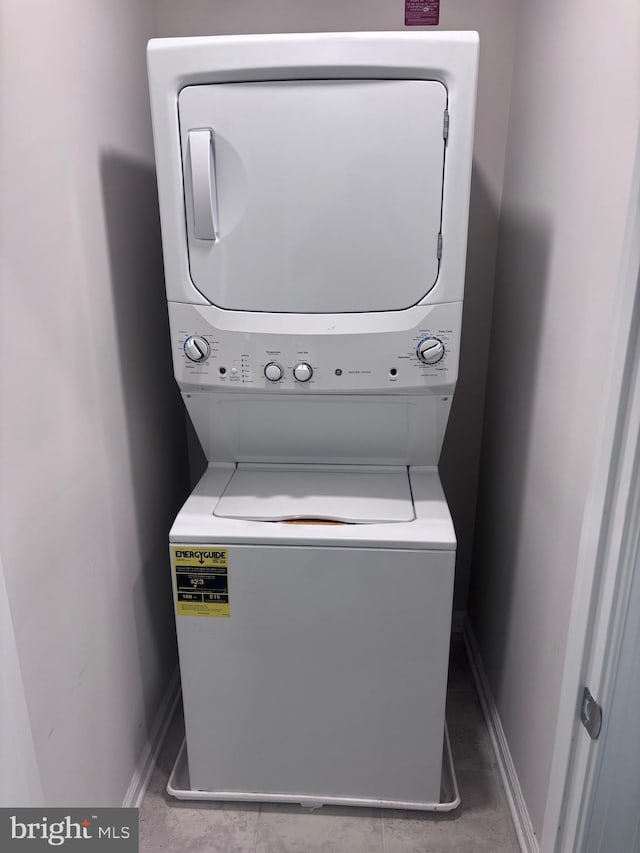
x,y
314,199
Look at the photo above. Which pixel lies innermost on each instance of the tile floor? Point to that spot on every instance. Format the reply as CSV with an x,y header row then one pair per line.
x,y
482,823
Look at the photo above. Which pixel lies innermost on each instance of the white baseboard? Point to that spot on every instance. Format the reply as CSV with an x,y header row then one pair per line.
x,y
517,805
149,755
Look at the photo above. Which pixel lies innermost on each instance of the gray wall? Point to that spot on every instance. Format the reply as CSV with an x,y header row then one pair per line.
x,y
19,776
495,21
91,431
572,131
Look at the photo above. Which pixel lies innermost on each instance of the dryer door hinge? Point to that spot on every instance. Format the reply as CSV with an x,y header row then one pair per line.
x,y
590,714
439,247
445,126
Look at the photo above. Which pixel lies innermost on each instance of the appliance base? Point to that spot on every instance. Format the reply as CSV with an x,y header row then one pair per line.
x,y
178,787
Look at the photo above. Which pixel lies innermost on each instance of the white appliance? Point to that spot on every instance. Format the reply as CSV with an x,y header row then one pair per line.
x,y
314,199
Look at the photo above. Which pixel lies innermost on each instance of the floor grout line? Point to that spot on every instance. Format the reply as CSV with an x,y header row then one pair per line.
x,y
254,846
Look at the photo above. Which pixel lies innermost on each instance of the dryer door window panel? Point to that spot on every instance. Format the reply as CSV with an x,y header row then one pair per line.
x,y
319,196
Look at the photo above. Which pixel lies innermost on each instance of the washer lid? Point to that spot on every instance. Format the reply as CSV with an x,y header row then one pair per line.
x,y
346,493
313,196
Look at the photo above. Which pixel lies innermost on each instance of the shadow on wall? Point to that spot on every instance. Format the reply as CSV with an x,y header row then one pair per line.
x,y
459,461
156,420
524,252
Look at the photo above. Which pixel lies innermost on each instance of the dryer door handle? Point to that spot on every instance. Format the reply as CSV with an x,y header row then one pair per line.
x,y
203,185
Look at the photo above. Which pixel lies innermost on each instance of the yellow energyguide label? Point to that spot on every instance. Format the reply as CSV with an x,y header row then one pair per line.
x,y
201,580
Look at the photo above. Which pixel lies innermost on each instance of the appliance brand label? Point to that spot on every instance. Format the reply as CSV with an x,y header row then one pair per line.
x,y
421,13
202,582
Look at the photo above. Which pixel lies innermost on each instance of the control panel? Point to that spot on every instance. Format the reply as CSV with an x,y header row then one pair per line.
x,y
422,357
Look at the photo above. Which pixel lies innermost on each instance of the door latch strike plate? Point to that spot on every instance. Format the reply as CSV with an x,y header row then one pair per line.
x,y
591,714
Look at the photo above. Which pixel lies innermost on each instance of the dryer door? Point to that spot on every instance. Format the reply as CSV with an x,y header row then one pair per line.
x,y
313,196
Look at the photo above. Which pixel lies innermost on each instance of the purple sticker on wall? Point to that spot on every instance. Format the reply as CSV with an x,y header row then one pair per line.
x,y
421,13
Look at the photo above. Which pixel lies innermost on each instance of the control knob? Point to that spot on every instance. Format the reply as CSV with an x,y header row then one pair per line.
x,y
273,372
303,372
430,350
196,348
